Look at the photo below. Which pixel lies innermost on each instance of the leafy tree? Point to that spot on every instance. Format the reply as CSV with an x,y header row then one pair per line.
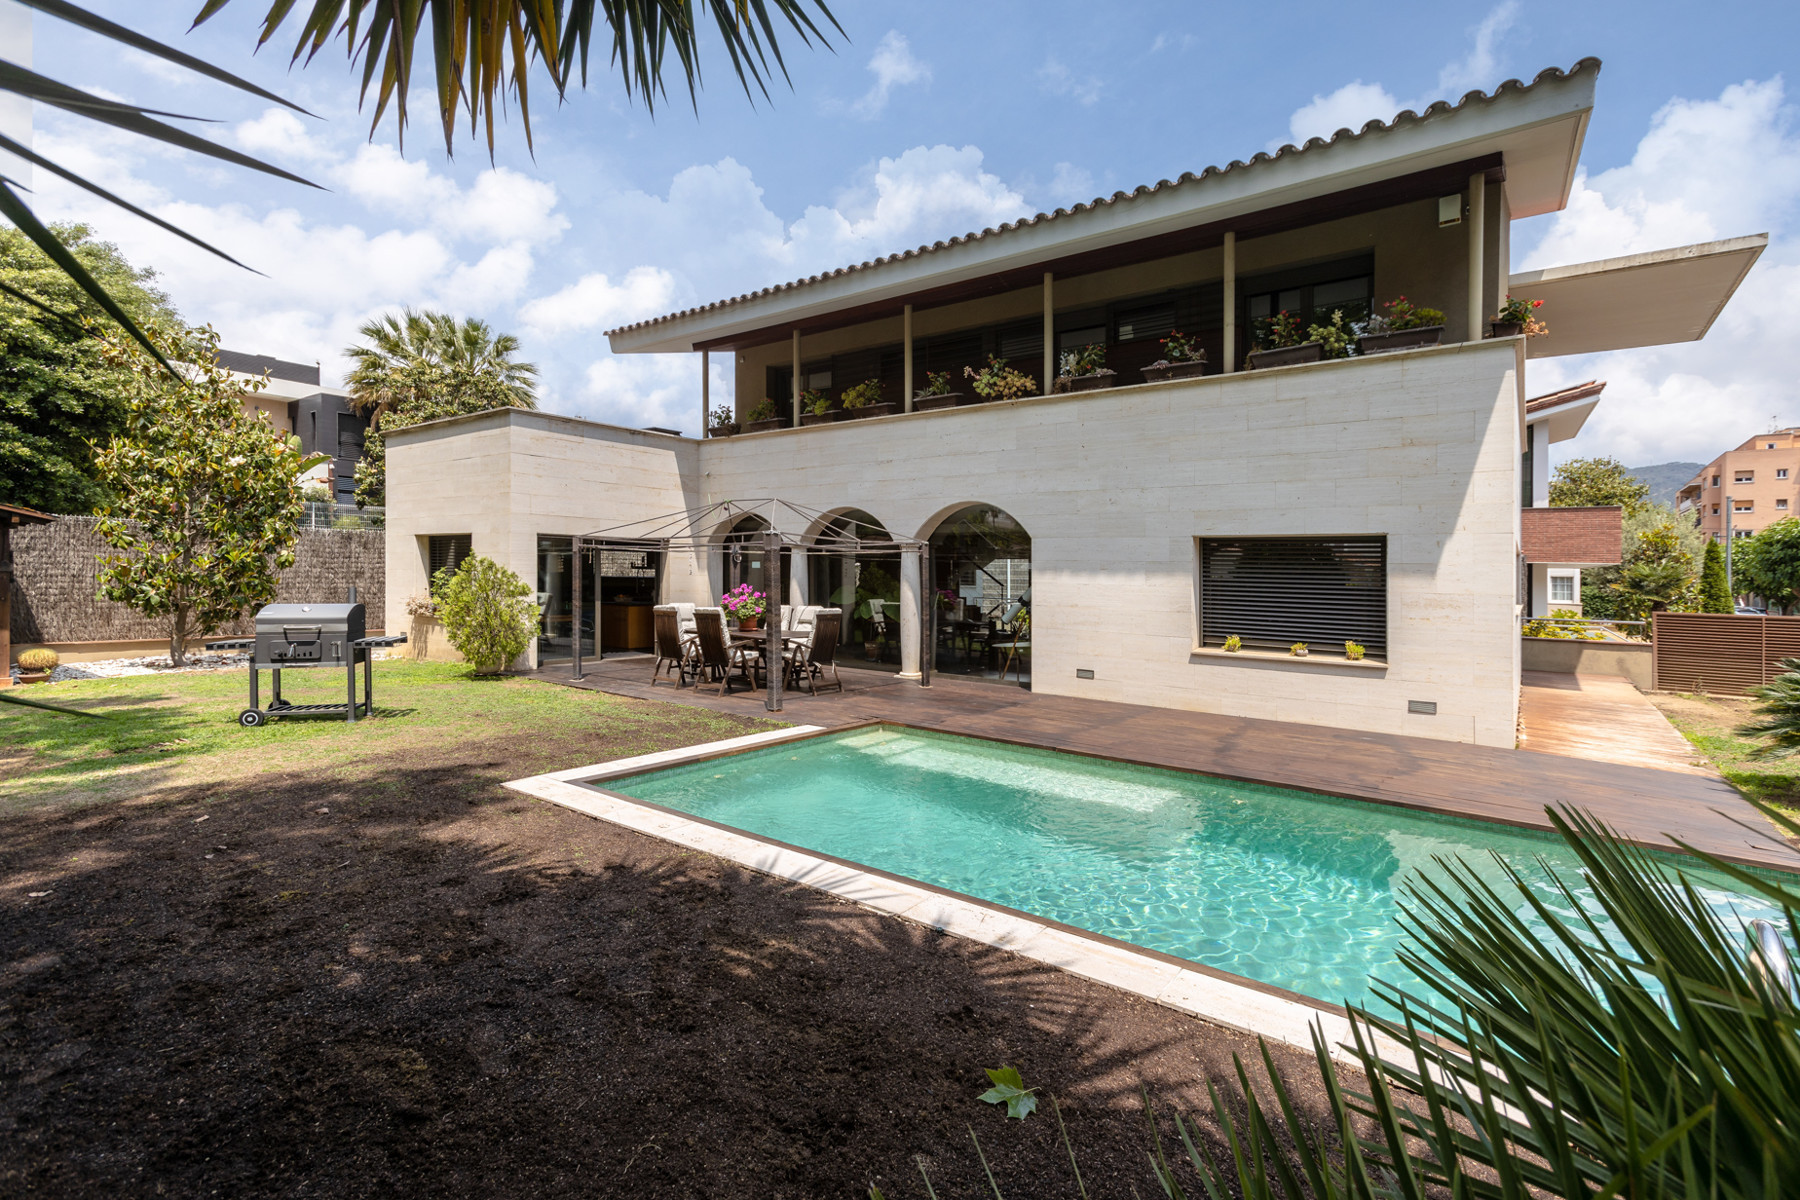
x,y
1715,595
1583,482
1655,585
59,394
487,613
1768,564
205,499
479,53
424,366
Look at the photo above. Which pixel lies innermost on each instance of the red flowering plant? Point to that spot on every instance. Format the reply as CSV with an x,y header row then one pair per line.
x,y
1282,329
1404,314
1522,313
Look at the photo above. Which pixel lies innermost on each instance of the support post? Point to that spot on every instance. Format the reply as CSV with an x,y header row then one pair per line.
x,y
1049,331
796,387
6,573
1230,302
1477,254
1728,586
772,661
910,613
906,341
575,610
705,390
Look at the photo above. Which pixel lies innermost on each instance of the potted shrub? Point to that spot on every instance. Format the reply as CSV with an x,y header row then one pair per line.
x,y
937,394
764,417
1514,318
35,665
1233,644
721,422
1298,649
1354,651
1405,326
1084,370
1282,342
865,400
1182,359
997,381
746,605
815,409
423,611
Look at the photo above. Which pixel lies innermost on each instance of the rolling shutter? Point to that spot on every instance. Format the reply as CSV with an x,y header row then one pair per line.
x,y
446,550
1273,592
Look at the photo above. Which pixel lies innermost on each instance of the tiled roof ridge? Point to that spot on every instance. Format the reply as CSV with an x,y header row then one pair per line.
x,y
1579,391
1405,117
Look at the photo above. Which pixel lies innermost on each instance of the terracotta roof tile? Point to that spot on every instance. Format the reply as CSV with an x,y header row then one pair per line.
x,y
1187,179
1568,395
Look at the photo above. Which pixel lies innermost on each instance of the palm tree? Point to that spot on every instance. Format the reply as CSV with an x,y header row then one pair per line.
x,y
1778,712
387,366
1655,583
479,53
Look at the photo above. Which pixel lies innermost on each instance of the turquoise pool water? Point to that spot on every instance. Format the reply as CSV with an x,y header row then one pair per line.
x,y
1289,888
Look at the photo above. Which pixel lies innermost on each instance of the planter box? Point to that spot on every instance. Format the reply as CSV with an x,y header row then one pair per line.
x,y
1500,329
1286,356
828,417
765,426
723,430
1163,372
1086,383
933,403
886,408
1400,339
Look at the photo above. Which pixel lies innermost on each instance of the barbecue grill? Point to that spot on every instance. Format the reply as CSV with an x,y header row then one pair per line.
x,y
310,636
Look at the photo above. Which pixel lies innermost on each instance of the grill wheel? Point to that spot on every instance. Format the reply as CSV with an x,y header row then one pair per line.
x,y
250,718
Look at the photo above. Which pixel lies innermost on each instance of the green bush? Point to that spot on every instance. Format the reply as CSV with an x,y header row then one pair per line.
x,y
487,613
41,659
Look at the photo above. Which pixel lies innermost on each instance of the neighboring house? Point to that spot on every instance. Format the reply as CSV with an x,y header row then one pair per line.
x,y
1746,489
296,402
1375,499
1556,543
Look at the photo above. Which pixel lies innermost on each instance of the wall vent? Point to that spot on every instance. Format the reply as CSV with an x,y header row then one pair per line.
x,y
1083,673
1425,708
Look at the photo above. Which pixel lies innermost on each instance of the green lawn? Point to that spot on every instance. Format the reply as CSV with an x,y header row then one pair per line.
x,y
1711,723
180,730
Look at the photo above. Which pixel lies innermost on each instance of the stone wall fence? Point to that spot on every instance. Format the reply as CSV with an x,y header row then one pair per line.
x,y
56,588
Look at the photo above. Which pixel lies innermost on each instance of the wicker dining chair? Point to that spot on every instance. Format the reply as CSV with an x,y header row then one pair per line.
x,y
718,660
808,661
675,654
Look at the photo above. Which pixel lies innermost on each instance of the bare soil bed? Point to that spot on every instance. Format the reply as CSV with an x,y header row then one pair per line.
x,y
390,977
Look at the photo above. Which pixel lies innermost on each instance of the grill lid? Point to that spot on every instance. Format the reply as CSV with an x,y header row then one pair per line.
x,y
305,614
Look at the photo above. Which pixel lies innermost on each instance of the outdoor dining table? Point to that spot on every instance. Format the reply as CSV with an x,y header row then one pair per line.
x,y
758,640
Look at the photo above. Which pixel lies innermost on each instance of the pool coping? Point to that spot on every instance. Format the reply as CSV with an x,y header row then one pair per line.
x,y
1219,997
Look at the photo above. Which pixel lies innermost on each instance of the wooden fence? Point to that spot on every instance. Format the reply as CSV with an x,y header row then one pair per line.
x,y
1720,653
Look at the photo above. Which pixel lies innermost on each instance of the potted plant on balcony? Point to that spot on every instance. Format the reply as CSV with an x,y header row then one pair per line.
x,y
1282,342
721,422
1334,337
936,393
1405,326
763,417
1083,370
865,400
997,381
815,408
1515,318
745,605
1182,359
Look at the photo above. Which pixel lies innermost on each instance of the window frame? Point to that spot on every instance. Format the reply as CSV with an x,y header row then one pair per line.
x,y
452,542
1361,552
1569,577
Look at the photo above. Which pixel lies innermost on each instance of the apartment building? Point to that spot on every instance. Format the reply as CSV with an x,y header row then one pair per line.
x,y
1746,489
296,402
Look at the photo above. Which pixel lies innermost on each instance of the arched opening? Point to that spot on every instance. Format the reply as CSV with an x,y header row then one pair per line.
x,y
981,587
865,585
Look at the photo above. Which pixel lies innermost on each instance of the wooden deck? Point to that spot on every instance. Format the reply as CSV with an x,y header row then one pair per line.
x,y
1644,805
1604,718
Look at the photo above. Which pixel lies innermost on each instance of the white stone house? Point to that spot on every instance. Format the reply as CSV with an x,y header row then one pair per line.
x,y
1374,499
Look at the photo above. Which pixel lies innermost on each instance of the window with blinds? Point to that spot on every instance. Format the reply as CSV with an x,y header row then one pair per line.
x,y
446,550
1273,592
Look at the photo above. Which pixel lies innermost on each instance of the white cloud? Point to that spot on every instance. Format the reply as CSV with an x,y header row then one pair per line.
x,y
652,389
1057,79
1070,185
1704,170
1173,41
595,302
1357,103
894,66
502,204
282,137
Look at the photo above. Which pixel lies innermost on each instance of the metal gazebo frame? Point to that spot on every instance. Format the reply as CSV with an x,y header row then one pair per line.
x,y
695,529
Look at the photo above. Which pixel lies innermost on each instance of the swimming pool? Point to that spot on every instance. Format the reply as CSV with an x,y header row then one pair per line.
x,y
1289,888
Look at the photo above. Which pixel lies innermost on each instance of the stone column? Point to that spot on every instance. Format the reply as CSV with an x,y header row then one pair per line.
x,y
796,582
1230,302
1477,255
909,614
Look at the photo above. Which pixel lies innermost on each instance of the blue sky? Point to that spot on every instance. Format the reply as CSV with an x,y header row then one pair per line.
x,y
932,119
